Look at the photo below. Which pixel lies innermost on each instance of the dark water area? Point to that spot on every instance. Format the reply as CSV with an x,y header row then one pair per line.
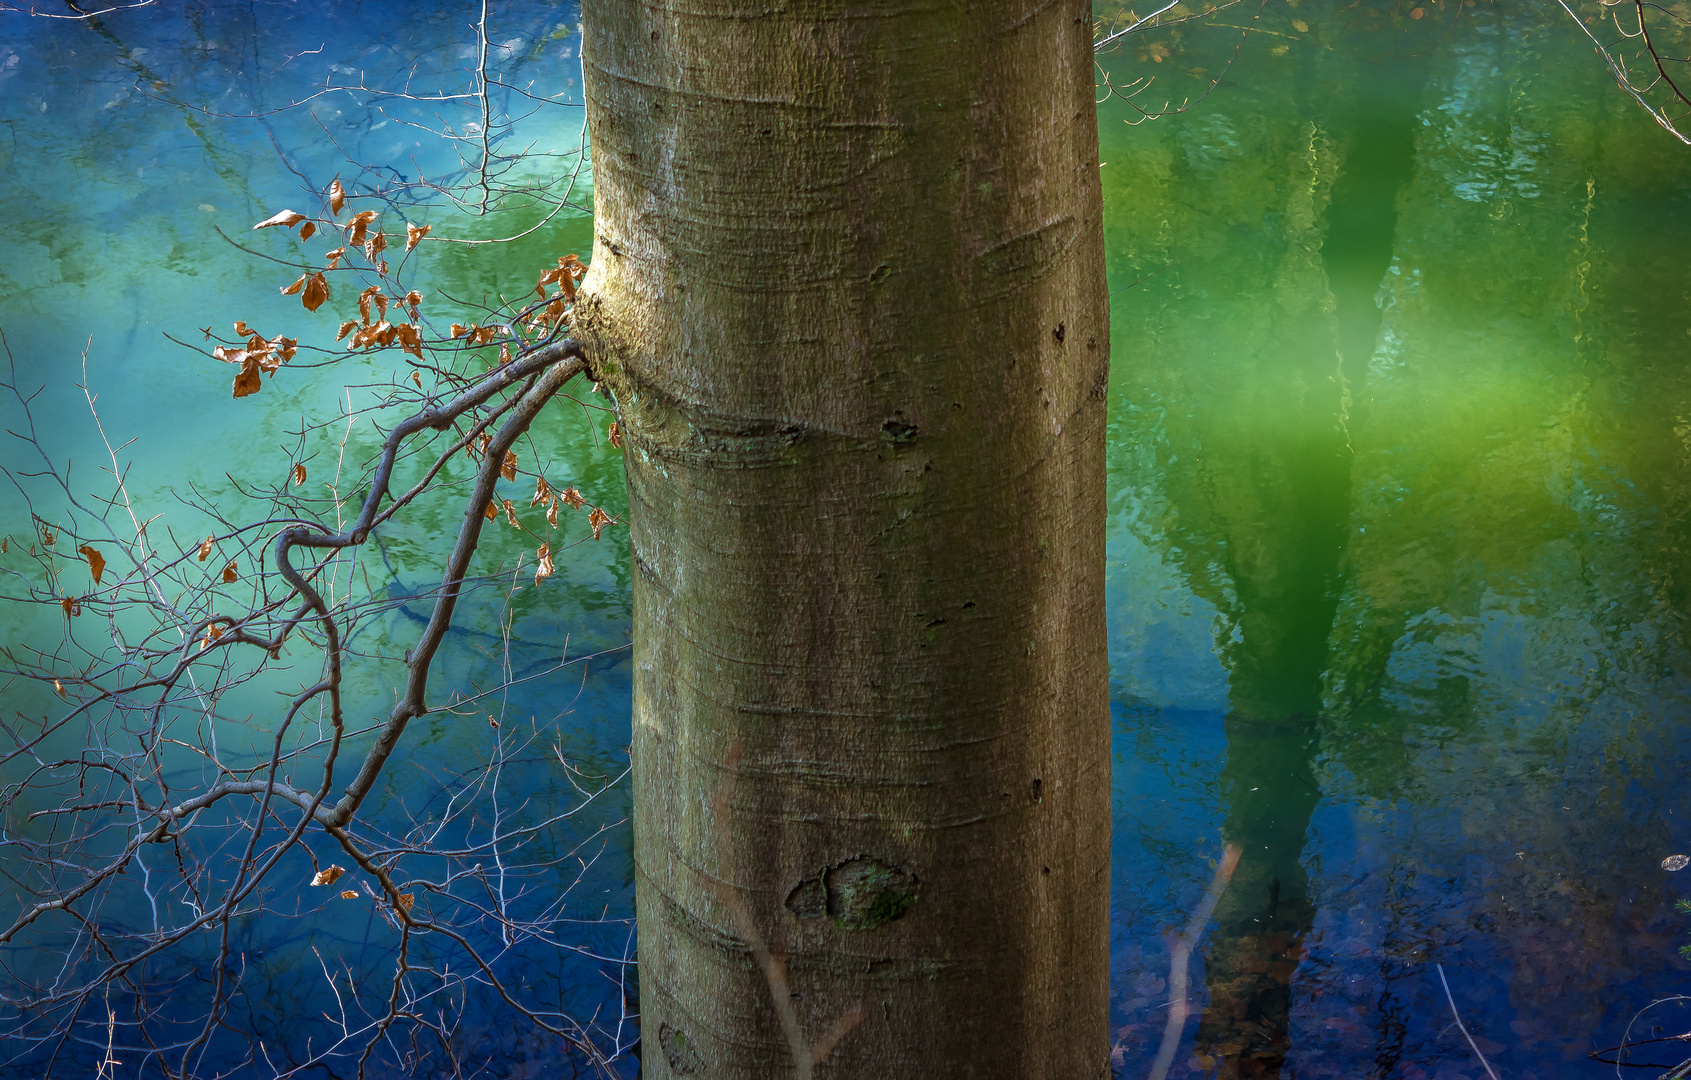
x,y
1400,470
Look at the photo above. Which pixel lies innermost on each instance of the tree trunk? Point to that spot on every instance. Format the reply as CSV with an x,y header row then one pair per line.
x,y
848,296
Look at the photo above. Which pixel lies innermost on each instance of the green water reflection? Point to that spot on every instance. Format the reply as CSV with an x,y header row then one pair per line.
x,y
1399,441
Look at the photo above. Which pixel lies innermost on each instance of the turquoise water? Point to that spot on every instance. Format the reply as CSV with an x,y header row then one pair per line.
x,y
1400,440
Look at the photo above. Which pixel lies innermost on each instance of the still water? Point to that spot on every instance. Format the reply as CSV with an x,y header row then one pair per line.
x,y
1400,445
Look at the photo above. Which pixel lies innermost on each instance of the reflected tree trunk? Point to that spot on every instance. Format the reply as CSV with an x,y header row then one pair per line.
x,y
1285,568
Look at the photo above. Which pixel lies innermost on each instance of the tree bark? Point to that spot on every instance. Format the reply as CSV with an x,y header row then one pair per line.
x,y
848,297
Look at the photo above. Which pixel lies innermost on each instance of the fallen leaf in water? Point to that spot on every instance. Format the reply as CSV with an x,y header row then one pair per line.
x,y
1300,26
1416,13
286,218
96,561
1676,862
327,876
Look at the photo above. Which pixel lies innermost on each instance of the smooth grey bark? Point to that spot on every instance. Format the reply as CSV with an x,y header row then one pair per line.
x,y
848,296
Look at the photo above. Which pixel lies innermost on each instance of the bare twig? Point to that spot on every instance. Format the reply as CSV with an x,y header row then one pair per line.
x,y
1179,975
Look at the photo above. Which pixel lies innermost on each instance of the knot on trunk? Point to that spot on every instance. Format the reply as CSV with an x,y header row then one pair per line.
x,y
860,893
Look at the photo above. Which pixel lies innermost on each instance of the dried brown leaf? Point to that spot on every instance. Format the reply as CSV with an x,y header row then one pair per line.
x,y
375,245
5,544
492,511
316,292
327,876
285,218
356,227
552,512
573,497
418,379
542,491
337,196
230,574
307,230
415,233
205,549
48,536
299,474
511,515
346,328
248,381
241,329
598,519
406,900
544,570
333,257
213,632
96,561
349,894
71,605
410,340
59,686
289,290
508,467
615,435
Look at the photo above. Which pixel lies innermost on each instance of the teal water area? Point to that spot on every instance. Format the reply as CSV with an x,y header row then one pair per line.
x,y
1400,443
